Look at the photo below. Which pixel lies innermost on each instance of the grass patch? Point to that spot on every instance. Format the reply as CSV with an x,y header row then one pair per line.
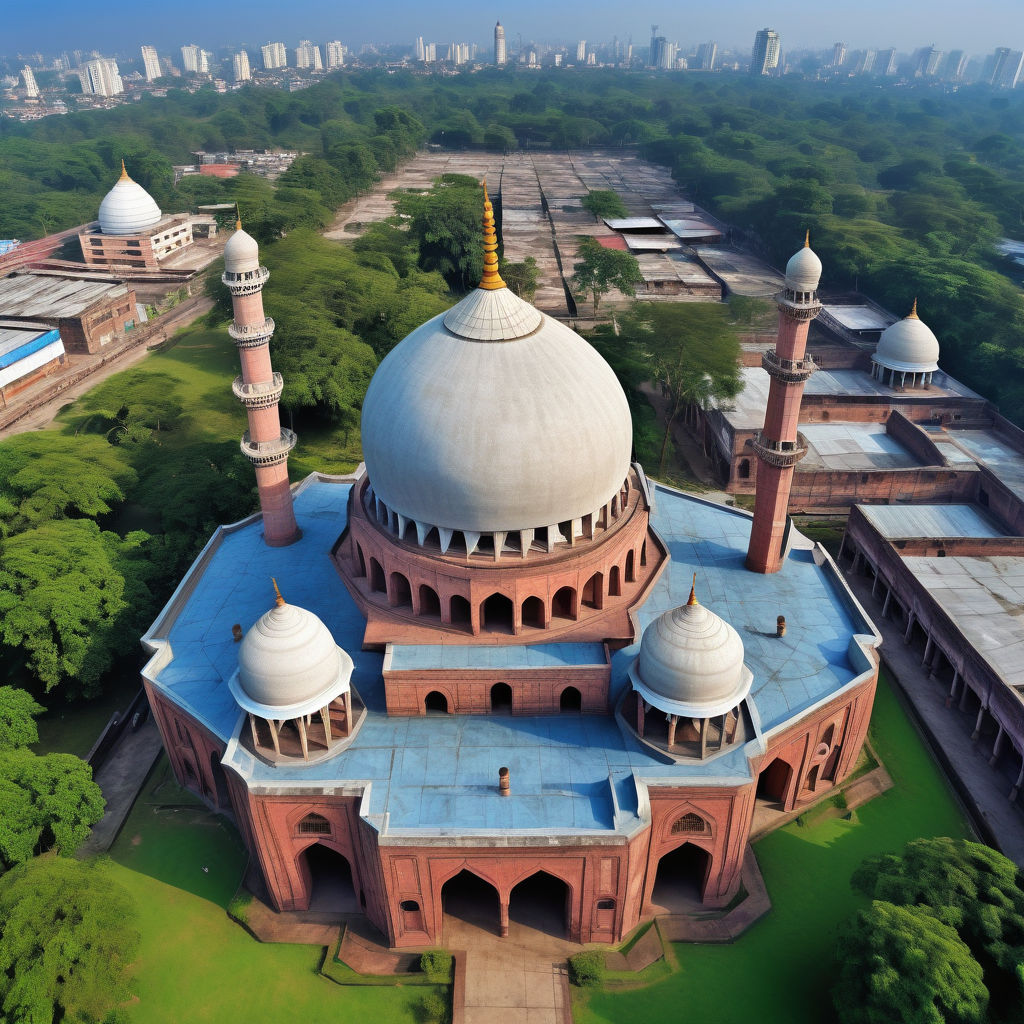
x,y
826,532
782,970
74,728
635,937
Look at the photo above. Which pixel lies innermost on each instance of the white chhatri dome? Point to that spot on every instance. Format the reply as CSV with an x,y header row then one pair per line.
x,y
127,209
691,663
493,417
803,271
908,345
241,253
289,665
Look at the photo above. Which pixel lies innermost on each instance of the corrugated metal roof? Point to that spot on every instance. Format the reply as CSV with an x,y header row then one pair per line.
x,y
43,296
652,243
16,345
896,522
634,224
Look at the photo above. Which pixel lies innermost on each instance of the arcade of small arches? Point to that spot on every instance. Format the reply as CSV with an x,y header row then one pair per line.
x,y
900,378
484,697
683,736
310,737
494,546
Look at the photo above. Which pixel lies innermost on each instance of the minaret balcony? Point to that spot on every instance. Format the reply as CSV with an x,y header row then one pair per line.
x,y
798,305
790,371
261,395
269,453
781,454
247,283
252,335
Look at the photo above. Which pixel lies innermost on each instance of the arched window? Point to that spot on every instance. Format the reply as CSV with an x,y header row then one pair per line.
x,y
690,824
377,582
744,470
409,906
314,824
435,703
606,904
401,592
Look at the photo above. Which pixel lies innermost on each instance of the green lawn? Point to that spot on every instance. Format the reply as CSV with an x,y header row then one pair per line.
x,y
781,971
74,728
195,963
204,362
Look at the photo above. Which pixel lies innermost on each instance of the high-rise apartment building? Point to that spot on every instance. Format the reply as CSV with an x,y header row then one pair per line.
x,y
500,54
885,62
101,77
838,55
274,56
240,63
955,67
419,50
430,53
191,57
150,63
307,55
31,89
765,55
334,51
707,55
1006,68
581,51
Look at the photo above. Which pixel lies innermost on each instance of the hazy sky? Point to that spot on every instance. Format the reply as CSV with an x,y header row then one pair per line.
x,y
108,25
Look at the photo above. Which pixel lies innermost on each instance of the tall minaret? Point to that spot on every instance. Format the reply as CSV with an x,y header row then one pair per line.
x,y
266,443
779,447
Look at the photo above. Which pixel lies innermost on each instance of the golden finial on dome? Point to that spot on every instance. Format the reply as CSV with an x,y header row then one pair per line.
x,y
807,239
238,218
491,279
912,315
693,593
124,172
279,600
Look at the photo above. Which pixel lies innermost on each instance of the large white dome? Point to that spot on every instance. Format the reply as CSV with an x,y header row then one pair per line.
x,y
908,346
289,665
242,252
691,663
494,417
803,271
127,209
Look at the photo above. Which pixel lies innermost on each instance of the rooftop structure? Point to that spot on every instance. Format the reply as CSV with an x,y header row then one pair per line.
x,y
27,352
530,689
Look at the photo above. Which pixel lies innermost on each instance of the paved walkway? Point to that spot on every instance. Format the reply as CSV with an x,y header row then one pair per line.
x,y
983,789
121,777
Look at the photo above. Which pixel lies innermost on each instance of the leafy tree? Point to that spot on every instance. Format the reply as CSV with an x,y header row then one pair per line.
x,y
689,350
67,937
522,277
969,886
598,270
71,598
18,711
49,802
604,203
900,965
500,137
47,476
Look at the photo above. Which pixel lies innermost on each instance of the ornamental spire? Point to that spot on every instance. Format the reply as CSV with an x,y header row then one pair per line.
x,y
912,315
693,593
491,279
807,239
124,172
278,600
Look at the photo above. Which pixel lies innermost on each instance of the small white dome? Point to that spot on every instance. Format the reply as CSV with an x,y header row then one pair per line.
x,y
127,209
289,665
494,417
691,663
803,271
242,252
908,346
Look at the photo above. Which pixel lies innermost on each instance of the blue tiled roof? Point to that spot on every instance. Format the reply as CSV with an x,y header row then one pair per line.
x,y
439,773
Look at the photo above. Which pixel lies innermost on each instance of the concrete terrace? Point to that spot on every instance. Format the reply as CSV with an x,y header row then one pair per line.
x,y
571,774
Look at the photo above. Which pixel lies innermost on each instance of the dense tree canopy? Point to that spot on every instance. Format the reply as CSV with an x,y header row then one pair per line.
x,y
900,965
67,938
18,712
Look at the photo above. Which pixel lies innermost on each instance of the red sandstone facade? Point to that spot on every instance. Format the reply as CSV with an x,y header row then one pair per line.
x,y
142,251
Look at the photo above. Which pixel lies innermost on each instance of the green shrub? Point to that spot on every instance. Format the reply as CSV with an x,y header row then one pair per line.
x,y
587,968
437,963
432,1008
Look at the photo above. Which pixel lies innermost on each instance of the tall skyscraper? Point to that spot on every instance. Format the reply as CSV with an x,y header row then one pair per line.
x,y
581,51
657,55
308,56
334,51
420,51
430,53
765,55
1006,67
956,65
500,57
240,63
31,89
707,55
101,77
150,63
191,56
866,64
885,62
838,55
274,56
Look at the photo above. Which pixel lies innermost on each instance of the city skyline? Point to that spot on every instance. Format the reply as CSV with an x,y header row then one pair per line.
x,y
869,23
